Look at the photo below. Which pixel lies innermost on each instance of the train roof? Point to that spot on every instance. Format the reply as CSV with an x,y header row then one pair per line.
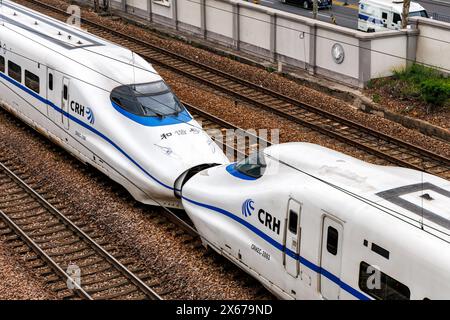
x,y
413,196
74,44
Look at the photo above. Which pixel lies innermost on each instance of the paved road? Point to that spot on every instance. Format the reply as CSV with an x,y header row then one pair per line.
x,y
347,15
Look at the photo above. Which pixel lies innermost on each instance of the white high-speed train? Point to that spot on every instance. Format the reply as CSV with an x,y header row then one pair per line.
x,y
313,223
101,102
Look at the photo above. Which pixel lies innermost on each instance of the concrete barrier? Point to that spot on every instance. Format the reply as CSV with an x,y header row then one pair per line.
x,y
345,55
433,43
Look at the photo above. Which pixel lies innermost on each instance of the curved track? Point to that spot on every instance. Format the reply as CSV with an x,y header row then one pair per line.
x,y
55,246
371,141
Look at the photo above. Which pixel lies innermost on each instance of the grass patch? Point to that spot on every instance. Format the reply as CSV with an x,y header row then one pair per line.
x,y
423,83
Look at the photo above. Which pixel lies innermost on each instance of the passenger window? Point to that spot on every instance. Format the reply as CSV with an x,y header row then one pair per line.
x,y
396,18
2,64
293,221
15,71
50,81
332,240
384,15
65,93
32,81
383,288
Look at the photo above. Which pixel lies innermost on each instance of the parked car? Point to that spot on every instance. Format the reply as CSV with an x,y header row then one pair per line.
x,y
380,15
308,4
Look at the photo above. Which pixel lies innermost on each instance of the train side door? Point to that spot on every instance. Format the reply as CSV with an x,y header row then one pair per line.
x,y
52,95
65,103
331,258
292,238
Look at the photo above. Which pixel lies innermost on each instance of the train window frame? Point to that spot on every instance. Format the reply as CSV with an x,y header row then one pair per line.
x,y
388,285
16,75
293,227
50,81
332,248
32,81
2,64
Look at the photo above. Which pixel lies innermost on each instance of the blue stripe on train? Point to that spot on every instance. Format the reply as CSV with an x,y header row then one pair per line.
x,y
280,247
81,123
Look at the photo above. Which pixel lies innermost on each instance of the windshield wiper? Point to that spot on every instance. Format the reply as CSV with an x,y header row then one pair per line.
x,y
159,115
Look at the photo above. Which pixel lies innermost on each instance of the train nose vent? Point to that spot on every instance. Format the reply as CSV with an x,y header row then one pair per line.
x,y
427,196
188,174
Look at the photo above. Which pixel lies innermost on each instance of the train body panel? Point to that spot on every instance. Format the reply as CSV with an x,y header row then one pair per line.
x,y
317,224
64,88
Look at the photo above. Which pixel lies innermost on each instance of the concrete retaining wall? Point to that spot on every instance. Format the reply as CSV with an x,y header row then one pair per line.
x,y
342,54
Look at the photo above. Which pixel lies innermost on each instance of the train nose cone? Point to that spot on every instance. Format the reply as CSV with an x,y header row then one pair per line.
x,y
193,150
185,152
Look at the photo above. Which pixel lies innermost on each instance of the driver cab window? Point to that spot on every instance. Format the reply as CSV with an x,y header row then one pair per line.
x,y
396,19
153,99
253,166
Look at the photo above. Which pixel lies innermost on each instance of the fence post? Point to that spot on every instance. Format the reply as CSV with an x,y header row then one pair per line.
x,y
236,26
273,36
203,17
175,14
150,11
365,61
312,49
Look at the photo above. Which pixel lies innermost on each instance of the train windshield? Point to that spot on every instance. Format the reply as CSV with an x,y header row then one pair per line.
x,y
153,99
253,166
421,13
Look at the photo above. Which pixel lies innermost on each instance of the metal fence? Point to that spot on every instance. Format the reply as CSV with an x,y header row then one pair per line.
x,y
440,17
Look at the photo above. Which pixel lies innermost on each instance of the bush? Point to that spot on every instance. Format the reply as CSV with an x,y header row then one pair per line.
x,y
416,73
435,91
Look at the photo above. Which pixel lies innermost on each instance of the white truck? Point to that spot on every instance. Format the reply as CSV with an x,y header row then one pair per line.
x,y
379,15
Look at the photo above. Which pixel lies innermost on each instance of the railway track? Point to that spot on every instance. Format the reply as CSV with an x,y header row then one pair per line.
x,y
371,141
56,248
53,271
236,144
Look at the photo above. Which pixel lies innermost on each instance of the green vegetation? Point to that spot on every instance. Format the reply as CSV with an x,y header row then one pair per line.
x,y
426,84
376,98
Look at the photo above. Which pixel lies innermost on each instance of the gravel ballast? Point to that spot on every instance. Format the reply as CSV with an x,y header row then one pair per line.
x,y
185,272
16,282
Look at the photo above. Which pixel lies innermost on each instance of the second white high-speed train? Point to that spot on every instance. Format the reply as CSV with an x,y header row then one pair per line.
x,y
313,223
103,103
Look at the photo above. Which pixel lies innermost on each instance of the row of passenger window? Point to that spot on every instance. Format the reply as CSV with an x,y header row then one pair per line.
x,y
15,72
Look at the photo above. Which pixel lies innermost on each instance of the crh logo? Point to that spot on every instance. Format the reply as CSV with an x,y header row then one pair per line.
x,y
90,115
247,207
83,111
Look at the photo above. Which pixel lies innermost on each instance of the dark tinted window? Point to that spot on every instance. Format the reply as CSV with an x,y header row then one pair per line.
x,y
65,92
422,13
50,81
153,99
332,240
384,288
380,250
293,221
15,71
31,81
253,166
396,18
2,64
384,15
